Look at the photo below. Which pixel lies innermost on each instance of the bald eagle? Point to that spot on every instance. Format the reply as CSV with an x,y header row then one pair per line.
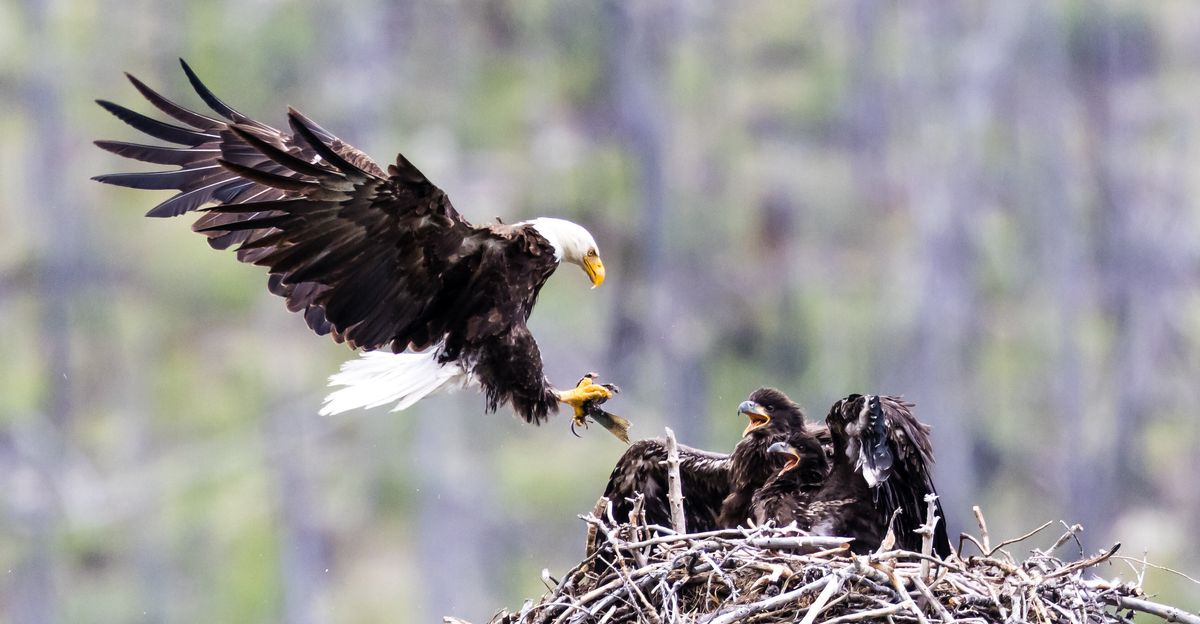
x,y
787,497
880,464
378,259
717,487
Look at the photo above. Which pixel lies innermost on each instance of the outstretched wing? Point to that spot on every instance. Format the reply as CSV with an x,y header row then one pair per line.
x,y
377,259
907,479
704,480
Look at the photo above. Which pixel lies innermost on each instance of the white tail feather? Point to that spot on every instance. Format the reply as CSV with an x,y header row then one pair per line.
x,y
380,377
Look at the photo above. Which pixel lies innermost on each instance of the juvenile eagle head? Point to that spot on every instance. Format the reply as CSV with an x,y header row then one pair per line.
x,y
770,411
572,243
805,465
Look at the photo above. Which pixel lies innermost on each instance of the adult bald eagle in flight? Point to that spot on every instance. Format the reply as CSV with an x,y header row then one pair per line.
x,y
378,259
717,488
880,464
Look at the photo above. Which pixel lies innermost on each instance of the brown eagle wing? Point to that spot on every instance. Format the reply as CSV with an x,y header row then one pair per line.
x,y
910,477
704,480
377,259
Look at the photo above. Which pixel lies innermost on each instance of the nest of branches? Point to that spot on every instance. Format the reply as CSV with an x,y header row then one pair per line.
x,y
638,573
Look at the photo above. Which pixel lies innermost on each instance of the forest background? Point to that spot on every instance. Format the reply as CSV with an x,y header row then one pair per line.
x,y
992,208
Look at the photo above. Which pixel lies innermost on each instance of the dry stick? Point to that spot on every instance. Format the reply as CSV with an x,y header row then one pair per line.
x,y
983,532
589,544
1036,600
907,600
866,615
1010,542
637,519
1072,531
1170,614
970,538
1156,567
931,599
674,488
608,615
691,537
815,608
927,532
746,611
908,554
1085,563
785,543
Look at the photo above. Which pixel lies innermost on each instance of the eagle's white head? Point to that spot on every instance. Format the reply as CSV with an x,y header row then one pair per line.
x,y
572,243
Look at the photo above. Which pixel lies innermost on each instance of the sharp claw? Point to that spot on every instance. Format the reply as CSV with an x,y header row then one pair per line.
x,y
573,432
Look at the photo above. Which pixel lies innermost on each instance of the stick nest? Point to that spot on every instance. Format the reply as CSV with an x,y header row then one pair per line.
x,y
638,573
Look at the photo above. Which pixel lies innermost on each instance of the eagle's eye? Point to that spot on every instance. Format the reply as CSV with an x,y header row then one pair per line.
x,y
770,408
592,253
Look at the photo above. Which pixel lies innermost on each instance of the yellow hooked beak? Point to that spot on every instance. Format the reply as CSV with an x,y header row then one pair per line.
x,y
756,413
793,459
595,269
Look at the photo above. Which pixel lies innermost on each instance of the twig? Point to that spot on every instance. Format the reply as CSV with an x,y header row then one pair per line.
x,y
815,608
967,536
927,531
983,532
908,602
746,611
1009,542
1072,532
589,545
923,589
784,543
1157,567
674,488
1085,563
866,615
1170,614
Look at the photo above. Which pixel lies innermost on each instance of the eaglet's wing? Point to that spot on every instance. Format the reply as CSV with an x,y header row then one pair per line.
x,y
377,259
908,478
704,480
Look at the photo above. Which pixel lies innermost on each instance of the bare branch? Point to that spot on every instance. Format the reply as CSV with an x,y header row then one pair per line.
x,y
1170,614
674,487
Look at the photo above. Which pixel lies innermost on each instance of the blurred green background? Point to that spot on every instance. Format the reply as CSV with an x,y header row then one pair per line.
x,y
988,207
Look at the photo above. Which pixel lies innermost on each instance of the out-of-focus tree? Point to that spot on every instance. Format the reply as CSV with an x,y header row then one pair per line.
x,y
987,207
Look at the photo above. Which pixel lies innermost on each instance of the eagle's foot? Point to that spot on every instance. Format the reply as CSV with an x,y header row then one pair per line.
x,y
582,393
585,400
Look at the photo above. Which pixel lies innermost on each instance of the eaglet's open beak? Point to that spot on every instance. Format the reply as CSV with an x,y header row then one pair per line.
x,y
756,413
595,269
786,449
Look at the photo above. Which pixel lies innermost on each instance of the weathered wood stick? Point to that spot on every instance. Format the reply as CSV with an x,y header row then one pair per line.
x,y
1170,614
927,532
674,486
744,611
983,532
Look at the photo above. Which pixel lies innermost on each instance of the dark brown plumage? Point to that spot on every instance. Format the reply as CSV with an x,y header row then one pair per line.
x,y
717,488
881,461
786,497
704,480
751,463
377,259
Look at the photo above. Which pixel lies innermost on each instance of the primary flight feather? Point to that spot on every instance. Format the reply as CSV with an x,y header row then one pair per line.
x,y
378,259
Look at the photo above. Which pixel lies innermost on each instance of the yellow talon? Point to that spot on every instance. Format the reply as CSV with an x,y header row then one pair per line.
x,y
584,391
585,400
581,394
